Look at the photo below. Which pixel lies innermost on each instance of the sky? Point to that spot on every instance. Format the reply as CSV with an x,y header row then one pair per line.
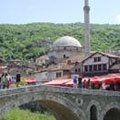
x,y
58,11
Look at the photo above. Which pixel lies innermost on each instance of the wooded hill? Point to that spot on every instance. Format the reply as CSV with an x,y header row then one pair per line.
x,y
25,41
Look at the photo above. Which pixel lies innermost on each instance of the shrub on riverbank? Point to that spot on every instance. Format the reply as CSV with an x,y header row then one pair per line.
x,y
18,114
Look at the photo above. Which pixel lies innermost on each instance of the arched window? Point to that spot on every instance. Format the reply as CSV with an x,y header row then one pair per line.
x,y
93,113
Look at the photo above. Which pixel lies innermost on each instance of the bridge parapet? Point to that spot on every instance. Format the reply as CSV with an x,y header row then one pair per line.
x,y
43,88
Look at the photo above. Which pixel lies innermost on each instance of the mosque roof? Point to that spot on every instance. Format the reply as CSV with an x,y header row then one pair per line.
x,y
67,41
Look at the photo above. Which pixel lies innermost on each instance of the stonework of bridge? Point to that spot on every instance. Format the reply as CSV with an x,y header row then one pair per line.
x,y
65,103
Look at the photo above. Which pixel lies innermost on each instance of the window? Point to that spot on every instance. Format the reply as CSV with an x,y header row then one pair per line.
x,y
104,67
99,67
76,70
97,59
90,67
86,68
64,56
58,74
95,67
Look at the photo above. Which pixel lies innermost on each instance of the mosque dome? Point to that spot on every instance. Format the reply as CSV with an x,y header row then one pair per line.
x,y
67,41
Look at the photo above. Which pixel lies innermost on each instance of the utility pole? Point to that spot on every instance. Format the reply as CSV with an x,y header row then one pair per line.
x,y
87,28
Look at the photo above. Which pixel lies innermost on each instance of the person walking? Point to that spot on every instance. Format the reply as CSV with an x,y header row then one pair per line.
x,y
75,81
79,82
88,84
84,83
4,81
8,80
18,79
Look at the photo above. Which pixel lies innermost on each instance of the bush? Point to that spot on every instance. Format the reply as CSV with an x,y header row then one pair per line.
x,y
18,114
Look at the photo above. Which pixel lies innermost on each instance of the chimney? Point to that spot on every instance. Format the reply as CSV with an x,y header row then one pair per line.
x,y
87,28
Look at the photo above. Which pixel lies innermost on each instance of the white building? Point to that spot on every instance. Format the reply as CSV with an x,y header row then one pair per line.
x,y
96,64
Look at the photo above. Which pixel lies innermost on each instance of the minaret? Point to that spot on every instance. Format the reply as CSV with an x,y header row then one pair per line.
x,y
87,28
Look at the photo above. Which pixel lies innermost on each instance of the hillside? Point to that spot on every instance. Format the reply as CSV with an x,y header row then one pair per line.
x,y
25,41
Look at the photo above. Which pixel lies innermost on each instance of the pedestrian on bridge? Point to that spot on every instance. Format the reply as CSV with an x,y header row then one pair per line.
x,y
79,82
8,80
75,81
18,79
3,81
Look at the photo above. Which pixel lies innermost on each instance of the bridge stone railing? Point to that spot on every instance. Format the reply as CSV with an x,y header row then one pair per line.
x,y
35,88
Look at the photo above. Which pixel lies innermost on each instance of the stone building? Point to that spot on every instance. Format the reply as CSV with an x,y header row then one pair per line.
x,y
59,71
64,48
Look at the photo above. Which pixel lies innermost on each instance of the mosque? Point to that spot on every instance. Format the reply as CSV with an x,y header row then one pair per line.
x,y
65,47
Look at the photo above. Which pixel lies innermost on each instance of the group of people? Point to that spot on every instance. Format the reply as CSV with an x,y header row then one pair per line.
x,y
6,80
79,82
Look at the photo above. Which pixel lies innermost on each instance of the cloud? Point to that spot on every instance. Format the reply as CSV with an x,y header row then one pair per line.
x,y
118,19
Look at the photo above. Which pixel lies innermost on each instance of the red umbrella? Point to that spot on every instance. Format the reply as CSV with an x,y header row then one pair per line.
x,y
31,81
115,78
109,81
96,80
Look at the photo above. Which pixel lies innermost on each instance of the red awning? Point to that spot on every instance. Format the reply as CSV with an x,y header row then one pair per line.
x,y
69,83
112,80
108,81
58,82
31,81
96,80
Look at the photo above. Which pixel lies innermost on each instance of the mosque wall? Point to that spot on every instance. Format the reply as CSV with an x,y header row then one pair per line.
x,y
63,54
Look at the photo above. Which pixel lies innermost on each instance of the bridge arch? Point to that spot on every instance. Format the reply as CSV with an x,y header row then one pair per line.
x,y
93,110
111,112
61,107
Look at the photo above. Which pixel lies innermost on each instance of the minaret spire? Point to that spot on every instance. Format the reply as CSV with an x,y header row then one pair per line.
x,y
86,2
87,28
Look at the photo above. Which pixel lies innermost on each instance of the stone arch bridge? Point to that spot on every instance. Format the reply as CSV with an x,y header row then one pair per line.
x,y
65,103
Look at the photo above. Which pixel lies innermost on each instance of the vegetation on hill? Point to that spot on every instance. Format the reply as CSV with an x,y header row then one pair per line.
x,y
24,41
18,114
